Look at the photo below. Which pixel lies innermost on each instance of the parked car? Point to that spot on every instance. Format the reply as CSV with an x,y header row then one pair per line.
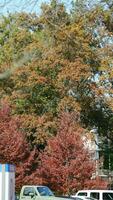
x,y
96,194
38,192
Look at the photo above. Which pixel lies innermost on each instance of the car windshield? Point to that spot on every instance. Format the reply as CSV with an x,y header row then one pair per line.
x,y
45,191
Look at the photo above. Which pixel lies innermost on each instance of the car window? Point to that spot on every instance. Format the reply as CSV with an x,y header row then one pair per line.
x,y
95,195
44,191
82,194
28,190
107,196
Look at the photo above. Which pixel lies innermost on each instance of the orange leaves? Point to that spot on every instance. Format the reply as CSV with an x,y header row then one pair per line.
x,y
74,71
69,104
26,76
37,129
71,75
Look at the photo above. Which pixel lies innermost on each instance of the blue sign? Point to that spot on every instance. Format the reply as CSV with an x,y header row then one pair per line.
x,y
8,167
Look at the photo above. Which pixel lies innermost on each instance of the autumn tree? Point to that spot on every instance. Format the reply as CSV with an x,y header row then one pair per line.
x,y
58,61
66,164
14,148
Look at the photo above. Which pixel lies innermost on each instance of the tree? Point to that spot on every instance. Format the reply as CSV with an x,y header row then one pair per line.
x,y
66,164
58,61
14,148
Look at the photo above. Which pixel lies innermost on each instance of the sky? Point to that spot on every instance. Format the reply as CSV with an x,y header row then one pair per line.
x,y
9,6
24,5
20,5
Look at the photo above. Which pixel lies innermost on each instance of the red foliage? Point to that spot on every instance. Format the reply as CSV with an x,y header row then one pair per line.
x,y
14,148
66,165
97,184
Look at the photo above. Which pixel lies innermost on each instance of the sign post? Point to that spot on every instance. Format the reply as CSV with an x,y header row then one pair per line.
x,y
7,182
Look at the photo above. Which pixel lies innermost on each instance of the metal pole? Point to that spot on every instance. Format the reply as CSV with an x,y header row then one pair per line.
x,y
96,135
97,153
3,181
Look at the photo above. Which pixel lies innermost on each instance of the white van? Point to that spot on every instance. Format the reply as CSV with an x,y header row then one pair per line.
x,y
96,194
